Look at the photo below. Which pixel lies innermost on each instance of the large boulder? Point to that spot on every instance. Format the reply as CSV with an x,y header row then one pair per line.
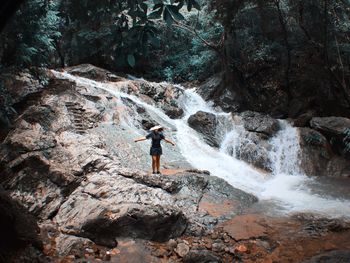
x,y
206,124
336,256
92,72
260,123
330,126
317,157
251,147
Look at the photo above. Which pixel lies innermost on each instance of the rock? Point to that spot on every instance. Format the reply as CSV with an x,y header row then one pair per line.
x,y
245,227
336,256
241,249
218,247
254,154
172,244
330,126
315,152
251,147
173,112
18,228
226,99
201,256
260,123
208,87
91,72
205,123
317,157
303,119
116,213
71,165
182,249
66,244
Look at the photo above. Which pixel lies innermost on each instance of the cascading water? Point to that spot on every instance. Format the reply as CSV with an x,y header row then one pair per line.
x,y
285,186
285,152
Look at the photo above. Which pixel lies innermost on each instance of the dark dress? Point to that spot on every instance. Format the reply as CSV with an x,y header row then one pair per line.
x,y
156,148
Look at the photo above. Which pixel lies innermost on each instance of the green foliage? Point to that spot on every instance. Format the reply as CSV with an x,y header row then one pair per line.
x,y
183,55
29,37
118,33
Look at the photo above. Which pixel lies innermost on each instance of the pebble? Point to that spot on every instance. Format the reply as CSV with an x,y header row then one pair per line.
x,y
217,247
172,244
182,249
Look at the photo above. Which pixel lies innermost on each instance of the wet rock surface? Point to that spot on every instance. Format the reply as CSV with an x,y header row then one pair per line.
x,y
260,123
330,125
206,124
318,156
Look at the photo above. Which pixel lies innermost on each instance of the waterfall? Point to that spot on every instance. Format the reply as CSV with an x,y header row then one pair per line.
x,y
286,185
285,152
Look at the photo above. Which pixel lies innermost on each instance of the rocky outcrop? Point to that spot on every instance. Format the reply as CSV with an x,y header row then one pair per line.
x,y
260,123
332,126
318,158
91,72
206,124
70,160
331,257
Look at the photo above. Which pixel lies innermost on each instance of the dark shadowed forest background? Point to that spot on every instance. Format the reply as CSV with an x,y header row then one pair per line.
x,y
282,57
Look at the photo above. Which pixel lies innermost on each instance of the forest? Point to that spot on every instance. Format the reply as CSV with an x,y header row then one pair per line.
x,y
246,88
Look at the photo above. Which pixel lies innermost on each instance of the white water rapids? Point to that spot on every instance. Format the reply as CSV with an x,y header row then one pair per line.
x,y
286,187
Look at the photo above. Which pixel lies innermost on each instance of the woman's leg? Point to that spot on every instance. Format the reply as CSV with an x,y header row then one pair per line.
x,y
154,163
158,162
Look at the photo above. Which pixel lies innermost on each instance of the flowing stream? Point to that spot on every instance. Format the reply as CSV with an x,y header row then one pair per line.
x,y
286,188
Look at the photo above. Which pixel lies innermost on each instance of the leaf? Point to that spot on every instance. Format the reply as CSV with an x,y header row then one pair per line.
x,y
167,17
144,7
175,12
196,5
155,41
131,60
192,3
156,14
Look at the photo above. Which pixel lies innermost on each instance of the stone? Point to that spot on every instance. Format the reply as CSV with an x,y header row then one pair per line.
x,y
92,72
172,244
336,256
182,249
205,123
201,256
260,123
218,247
245,227
241,249
330,126
317,157
173,112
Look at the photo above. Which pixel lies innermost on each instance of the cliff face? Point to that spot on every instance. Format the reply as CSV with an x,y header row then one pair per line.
x,y
285,58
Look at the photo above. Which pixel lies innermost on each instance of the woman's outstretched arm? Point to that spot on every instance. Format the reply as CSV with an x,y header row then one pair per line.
x,y
140,139
168,141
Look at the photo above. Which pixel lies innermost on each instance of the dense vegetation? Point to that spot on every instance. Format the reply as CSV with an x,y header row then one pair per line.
x,y
283,57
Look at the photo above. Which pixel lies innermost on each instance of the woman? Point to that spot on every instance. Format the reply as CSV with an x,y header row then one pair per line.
x,y
156,135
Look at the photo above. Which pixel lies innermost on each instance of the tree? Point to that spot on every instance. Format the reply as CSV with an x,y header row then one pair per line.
x,y
115,33
28,38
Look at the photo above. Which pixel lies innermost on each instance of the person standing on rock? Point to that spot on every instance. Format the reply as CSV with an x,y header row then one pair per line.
x,y
156,134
